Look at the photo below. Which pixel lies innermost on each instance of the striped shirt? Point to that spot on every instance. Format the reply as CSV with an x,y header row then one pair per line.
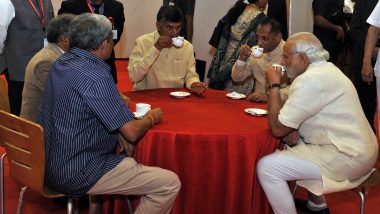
x,y
81,111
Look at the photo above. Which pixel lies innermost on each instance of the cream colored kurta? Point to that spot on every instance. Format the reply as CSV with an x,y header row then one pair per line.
x,y
335,134
256,67
150,68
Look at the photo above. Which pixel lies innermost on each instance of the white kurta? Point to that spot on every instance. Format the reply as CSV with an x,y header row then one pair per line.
x,y
335,134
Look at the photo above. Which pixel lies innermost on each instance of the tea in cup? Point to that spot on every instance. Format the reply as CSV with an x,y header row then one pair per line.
x,y
178,41
257,51
142,108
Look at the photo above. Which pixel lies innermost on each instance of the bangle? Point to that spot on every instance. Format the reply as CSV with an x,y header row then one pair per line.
x,y
151,118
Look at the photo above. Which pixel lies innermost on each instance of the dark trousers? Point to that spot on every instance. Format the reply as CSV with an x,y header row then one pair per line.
x,y
14,94
367,97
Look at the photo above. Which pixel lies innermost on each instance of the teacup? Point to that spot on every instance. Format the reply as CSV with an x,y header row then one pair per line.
x,y
257,51
178,41
281,67
142,108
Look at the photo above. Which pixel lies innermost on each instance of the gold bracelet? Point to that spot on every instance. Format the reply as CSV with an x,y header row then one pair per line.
x,y
151,117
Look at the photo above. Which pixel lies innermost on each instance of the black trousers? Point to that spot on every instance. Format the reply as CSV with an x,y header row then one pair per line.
x,y
14,94
367,96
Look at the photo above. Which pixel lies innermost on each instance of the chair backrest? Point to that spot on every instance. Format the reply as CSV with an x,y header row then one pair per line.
x,y
4,101
24,143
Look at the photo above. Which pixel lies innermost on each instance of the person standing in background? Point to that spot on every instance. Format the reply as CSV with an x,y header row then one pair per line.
x,y
370,50
26,35
7,13
187,8
277,10
111,9
328,25
357,34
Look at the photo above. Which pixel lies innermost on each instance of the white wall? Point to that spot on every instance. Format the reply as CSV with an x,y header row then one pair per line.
x,y
301,16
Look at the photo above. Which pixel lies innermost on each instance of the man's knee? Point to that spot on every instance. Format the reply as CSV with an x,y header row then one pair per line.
x,y
171,181
263,167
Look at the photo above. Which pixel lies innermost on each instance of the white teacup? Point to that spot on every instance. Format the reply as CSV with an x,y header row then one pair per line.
x,y
281,67
142,108
178,41
257,51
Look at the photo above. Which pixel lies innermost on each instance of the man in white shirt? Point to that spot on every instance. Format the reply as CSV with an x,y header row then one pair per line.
x,y
322,155
370,50
7,13
249,66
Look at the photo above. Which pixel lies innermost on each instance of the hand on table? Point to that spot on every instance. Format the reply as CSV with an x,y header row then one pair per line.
x,y
198,87
257,97
155,114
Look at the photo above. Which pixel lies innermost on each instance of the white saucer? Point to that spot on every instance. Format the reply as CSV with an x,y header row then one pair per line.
x,y
235,95
138,115
179,94
256,111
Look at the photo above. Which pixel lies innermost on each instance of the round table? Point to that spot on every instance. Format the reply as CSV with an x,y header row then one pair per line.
x,y
212,145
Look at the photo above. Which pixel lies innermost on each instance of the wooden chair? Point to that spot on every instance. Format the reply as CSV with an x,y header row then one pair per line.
x,y
362,189
24,144
4,101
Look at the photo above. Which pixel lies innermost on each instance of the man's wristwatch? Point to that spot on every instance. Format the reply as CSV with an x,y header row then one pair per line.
x,y
274,85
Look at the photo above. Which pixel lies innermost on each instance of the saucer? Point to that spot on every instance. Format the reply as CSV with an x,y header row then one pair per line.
x,y
179,94
235,95
138,115
256,111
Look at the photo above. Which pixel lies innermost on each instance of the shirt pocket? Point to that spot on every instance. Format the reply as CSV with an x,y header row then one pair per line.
x,y
179,68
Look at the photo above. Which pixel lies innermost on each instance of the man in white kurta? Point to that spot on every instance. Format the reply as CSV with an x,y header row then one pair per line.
x,y
249,66
331,145
370,51
156,63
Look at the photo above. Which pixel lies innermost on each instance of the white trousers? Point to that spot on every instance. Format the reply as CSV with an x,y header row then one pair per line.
x,y
275,170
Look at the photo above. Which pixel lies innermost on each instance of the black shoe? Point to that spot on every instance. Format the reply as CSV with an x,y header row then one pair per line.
x,y
301,206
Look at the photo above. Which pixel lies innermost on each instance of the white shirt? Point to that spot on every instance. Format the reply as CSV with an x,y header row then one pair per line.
x,y
7,13
324,106
374,20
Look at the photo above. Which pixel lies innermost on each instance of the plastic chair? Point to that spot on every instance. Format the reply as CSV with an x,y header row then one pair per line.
x,y
24,144
362,189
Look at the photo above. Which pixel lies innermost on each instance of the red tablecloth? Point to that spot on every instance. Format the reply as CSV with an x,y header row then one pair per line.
x,y
212,145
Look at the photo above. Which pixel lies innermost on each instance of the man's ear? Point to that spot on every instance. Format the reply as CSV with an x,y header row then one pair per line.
x,y
104,44
278,36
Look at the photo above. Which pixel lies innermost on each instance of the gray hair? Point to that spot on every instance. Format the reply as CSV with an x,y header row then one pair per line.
x,y
308,44
59,26
87,31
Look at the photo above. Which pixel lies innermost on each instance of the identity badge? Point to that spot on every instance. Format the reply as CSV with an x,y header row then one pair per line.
x,y
45,42
114,34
